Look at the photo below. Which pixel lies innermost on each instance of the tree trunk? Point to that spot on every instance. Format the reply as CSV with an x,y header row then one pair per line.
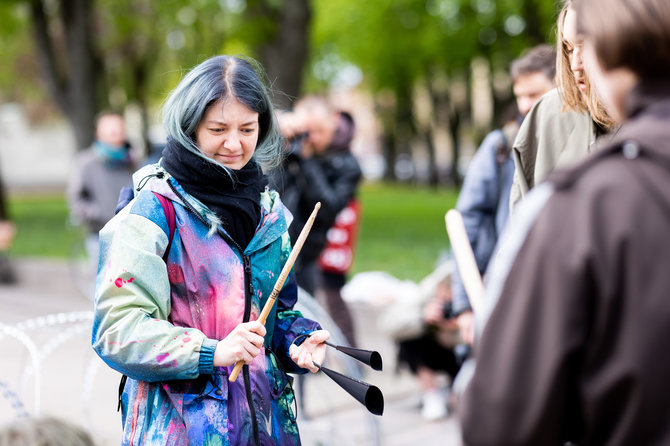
x,y
73,87
405,129
285,54
534,31
454,132
140,77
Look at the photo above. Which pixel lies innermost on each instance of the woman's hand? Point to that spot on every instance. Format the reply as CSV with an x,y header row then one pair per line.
x,y
311,350
244,343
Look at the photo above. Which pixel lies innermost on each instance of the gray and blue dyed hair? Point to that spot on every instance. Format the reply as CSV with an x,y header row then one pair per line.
x,y
218,79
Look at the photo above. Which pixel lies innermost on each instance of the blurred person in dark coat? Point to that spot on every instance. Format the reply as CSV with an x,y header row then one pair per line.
x,y
319,167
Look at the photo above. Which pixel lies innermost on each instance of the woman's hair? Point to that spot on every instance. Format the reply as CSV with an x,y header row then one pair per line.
x,y
571,96
634,34
218,79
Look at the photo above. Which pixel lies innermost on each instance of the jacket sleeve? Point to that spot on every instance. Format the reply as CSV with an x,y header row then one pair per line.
x,y
477,203
289,323
333,196
527,360
131,331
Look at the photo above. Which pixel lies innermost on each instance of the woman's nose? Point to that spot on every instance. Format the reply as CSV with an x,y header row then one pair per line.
x,y
577,62
232,141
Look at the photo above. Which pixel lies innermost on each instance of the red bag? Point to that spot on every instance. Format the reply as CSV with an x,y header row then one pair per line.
x,y
338,254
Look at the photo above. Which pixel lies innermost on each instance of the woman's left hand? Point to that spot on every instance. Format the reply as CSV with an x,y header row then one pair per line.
x,y
311,350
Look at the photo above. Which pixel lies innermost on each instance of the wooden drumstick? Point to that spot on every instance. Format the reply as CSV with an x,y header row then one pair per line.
x,y
280,281
465,259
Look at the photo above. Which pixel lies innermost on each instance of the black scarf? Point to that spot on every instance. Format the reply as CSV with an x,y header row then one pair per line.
x,y
236,201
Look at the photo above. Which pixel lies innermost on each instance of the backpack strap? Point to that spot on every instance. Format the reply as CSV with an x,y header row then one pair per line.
x,y
168,210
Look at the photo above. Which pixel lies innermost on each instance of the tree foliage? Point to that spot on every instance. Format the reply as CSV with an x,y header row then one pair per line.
x,y
401,43
95,54
136,50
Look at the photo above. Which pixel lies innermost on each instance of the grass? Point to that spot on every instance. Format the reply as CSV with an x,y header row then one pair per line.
x,y
402,229
42,228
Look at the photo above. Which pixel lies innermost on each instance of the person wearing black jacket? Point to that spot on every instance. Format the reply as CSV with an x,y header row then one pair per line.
x,y
319,167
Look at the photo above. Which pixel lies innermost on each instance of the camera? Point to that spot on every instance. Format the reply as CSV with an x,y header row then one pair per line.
x,y
448,310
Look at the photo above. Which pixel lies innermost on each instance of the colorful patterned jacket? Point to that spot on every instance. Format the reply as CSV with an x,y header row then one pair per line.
x,y
159,324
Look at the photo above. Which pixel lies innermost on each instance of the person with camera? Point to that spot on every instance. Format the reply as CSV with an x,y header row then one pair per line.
x,y
318,167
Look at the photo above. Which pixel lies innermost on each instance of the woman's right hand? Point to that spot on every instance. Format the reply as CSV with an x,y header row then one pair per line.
x,y
244,343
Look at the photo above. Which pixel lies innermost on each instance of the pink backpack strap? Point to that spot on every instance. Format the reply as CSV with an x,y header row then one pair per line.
x,y
168,210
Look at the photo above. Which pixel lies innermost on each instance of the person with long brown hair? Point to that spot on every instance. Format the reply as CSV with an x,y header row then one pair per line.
x,y
572,349
560,129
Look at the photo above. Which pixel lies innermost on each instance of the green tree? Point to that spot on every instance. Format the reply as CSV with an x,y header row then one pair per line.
x,y
401,43
93,54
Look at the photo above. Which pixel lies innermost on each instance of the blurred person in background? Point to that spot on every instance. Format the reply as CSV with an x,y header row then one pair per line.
x,y
573,350
484,198
99,174
319,167
43,431
426,333
562,126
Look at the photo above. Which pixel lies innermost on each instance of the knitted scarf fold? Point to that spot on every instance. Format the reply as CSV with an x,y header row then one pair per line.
x,y
236,200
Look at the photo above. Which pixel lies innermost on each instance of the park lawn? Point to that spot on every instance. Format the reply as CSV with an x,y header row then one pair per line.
x,y
42,226
402,229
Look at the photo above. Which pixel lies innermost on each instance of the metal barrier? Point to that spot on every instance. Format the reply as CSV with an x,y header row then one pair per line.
x,y
79,322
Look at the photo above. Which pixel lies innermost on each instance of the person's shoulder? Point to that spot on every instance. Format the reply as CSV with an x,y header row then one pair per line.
x,y
551,99
603,184
547,106
143,211
345,162
549,122
492,140
86,157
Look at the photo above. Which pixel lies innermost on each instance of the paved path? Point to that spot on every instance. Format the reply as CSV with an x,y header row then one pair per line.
x,y
79,387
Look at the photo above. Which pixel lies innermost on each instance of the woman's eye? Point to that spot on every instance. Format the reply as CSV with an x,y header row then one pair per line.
x,y
248,131
217,130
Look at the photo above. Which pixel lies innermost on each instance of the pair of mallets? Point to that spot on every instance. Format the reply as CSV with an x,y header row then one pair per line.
x,y
367,394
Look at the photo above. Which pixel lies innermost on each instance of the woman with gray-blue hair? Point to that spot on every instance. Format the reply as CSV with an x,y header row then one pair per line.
x,y
186,267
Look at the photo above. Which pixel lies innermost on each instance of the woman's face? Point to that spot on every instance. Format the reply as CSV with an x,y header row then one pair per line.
x,y
574,44
228,133
613,86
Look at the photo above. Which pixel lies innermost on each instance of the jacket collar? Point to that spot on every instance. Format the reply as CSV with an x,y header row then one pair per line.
x,y
275,220
275,217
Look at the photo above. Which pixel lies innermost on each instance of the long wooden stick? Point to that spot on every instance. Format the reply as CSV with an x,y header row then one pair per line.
x,y
465,259
280,281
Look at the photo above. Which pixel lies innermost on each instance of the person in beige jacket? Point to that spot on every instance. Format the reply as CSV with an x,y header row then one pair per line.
x,y
561,127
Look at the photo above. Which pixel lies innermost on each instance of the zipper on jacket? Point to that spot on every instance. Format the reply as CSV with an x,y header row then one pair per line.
x,y
248,292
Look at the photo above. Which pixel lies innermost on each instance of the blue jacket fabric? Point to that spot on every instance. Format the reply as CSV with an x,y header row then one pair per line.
x,y
159,323
484,205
